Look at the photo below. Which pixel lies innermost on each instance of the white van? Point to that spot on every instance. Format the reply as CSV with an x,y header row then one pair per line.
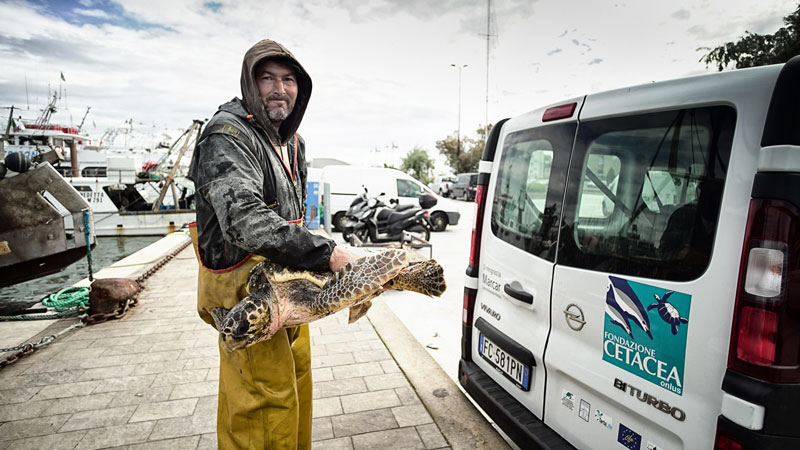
x,y
347,182
634,277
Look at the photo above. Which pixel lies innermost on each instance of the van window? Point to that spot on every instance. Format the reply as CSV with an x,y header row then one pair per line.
x,y
407,188
644,192
529,187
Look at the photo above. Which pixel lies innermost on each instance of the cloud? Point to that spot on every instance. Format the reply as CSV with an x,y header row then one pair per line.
x,y
554,51
681,14
97,13
595,61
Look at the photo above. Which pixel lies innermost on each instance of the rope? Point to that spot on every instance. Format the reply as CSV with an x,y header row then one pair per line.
x,y
57,315
68,298
87,223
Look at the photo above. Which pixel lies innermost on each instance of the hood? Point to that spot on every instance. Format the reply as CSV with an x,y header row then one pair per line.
x,y
268,49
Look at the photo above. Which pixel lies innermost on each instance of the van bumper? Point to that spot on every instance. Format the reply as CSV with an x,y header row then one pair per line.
x,y
525,429
780,430
452,218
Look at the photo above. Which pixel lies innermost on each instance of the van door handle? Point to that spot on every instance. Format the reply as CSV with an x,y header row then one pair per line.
x,y
514,289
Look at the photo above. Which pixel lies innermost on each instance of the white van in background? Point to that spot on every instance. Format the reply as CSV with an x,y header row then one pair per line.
x,y
634,275
347,182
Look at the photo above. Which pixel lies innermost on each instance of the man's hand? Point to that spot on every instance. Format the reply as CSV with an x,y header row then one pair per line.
x,y
340,258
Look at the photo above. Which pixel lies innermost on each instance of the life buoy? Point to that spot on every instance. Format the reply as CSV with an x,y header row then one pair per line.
x,y
61,149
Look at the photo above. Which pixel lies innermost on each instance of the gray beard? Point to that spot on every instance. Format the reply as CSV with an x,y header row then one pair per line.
x,y
278,114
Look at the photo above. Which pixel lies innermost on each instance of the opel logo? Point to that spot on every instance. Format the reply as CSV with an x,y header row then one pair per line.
x,y
574,316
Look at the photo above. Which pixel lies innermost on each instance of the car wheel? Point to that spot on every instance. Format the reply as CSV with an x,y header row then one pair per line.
x,y
338,221
439,221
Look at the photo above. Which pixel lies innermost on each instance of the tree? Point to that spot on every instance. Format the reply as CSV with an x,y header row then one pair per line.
x,y
471,151
754,50
418,164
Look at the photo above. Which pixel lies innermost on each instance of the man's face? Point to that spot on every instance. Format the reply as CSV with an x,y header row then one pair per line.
x,y
277,87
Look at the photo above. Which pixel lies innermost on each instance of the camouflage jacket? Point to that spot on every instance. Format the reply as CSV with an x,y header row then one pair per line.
x,y
245,196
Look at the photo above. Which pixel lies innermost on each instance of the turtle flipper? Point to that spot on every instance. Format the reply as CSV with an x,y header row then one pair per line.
x,y
218,314
359,311
359,280
426,278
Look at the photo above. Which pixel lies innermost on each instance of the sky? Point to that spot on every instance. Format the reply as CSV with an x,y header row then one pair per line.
x,y
385,73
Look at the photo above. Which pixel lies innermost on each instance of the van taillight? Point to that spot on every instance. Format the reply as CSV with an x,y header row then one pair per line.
x,y
724,442
765,339
475,246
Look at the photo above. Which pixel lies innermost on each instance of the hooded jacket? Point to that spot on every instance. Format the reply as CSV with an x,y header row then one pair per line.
x,y
245,193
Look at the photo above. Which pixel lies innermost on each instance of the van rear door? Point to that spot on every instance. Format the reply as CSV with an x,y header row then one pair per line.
x,y
640,316
512,306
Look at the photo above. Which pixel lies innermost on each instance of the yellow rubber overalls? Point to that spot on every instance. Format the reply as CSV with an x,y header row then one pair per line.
x,y
265,389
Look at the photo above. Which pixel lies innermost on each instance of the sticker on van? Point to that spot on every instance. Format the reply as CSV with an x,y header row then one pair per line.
x,y
645,332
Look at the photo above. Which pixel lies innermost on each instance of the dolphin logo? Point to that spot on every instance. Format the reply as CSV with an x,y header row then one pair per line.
x,y
623,306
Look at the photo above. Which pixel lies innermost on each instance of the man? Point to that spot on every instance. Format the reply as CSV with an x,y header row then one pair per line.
x,y
250,175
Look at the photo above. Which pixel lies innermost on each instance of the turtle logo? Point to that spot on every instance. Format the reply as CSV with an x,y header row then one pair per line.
x,y
667,312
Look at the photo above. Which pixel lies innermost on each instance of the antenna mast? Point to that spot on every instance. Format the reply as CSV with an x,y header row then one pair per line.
x,y
488,38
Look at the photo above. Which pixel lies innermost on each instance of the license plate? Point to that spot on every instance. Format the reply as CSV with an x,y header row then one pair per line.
x,y
509,366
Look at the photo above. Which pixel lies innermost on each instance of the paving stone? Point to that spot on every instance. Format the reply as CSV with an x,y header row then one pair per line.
x,y
169,355
198,389
66,390
21,411
389,366
344,443
403,438
208,442
108,361
365,335
357,370
336,328
431,436
407,396
98,418
186,443
363,422
352,347
86,403
127,350
321,429
61,377
213,375
139,396
369,401
132,433
322,374
333,338
17,395
411,415
124,383
174,345
203,421
114,342
84,353
372,355
335,388
199,352
318,350
158,367
40,426
164,410
102,373
211,362
53,366
327,407
386,381
186,376
50,441
337,359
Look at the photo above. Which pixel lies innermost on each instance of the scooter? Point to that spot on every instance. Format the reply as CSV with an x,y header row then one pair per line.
x,y
378,223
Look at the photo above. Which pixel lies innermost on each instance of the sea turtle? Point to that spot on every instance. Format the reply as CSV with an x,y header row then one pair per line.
x,y
280,297
667,312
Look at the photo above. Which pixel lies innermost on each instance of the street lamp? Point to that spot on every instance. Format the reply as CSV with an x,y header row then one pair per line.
x,y
458,135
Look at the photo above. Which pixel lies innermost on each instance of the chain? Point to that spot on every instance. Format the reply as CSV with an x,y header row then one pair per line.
x,y
27,349
154,268
118,314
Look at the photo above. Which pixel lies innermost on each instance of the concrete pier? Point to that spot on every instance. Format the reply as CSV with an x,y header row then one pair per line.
x,y
150,380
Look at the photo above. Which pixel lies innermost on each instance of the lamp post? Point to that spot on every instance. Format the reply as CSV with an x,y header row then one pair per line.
x,y
458,135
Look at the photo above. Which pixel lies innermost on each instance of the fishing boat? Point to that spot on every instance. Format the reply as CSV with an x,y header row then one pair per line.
x,y
36,203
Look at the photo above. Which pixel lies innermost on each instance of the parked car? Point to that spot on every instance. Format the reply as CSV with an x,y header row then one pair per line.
x,y
441,185
464,186
347,182
634,275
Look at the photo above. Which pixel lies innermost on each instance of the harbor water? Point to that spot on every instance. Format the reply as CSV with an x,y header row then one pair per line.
x,y
107,251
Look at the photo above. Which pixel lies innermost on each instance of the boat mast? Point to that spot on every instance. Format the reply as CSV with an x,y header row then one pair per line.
x,y
84,118
169,180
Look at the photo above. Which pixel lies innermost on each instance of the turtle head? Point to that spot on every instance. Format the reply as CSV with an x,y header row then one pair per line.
x,y
245,324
